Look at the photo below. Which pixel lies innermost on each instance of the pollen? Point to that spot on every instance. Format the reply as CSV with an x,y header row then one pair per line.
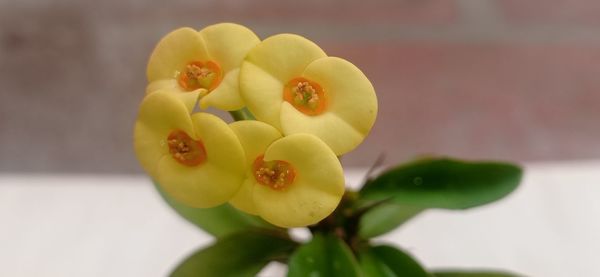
x,y
306,96
196,75
277,175
185,149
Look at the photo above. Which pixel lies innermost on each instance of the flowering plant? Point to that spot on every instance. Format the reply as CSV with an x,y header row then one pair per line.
x,y
296,111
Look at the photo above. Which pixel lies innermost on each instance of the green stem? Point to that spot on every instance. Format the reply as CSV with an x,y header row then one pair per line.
x,y
361,209
243,114
378,162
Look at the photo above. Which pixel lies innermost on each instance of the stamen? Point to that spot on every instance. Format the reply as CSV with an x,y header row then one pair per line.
x,y
306,96
184,149
207,75
277,175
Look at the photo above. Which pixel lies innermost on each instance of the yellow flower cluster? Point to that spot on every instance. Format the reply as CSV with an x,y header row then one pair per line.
x,y
283,167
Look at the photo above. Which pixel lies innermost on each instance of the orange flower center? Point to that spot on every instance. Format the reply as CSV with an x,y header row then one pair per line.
x,y
277,175
207,75
305,95
184,149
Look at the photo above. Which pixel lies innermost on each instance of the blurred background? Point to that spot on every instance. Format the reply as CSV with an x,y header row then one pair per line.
x,y
512,80
476,79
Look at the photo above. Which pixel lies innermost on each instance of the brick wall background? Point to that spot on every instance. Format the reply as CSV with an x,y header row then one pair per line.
x,y
499,79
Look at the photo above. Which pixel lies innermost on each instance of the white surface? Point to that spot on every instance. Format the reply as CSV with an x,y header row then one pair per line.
x,y
118,226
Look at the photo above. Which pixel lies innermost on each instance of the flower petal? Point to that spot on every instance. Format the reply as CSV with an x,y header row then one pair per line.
x,y
218,178
270,65
202,186
173,52
340,136
255,137
350,94
317,187
160,113
149,147
228,44
262,93
189,98
285,56
226,96
243,199
312,158
223,149
303,205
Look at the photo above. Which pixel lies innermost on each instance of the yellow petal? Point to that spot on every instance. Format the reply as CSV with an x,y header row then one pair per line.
x,y
164,84
270,65
255,137
159,114
226,96
262,93
351,95
200,186
173,52
149,147
223,148
243,199
218,178
340,136
317,187
300,206
228,44
189,98
285,56
312,158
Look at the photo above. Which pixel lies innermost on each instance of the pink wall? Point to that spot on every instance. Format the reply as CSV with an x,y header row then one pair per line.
x,y
514,80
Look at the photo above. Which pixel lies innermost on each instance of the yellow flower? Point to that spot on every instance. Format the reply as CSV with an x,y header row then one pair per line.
x,y
291,181
290,83
197,158
202,64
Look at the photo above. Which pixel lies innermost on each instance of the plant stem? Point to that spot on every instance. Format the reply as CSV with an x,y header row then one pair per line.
x,y
378,162
242,114
360,210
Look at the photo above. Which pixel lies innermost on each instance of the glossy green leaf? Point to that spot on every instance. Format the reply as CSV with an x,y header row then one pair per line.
x,y
387,261
243,254
444,183
219,221
324,256
384,218
453,273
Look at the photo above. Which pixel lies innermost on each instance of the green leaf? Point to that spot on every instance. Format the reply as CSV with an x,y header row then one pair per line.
x,y
384,218
444,183
452,273
387,261
243,254
324,255
219,221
